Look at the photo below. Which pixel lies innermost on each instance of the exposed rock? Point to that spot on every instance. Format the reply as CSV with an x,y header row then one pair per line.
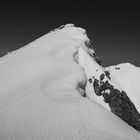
x,y
107,73
102,76
90,80
118,101
117,68
90,46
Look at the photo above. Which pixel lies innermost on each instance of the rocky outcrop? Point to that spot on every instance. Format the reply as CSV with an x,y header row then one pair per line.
x,y
118,101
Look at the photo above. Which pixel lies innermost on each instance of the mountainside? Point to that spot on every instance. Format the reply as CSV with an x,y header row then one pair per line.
x,y
114,95
51,89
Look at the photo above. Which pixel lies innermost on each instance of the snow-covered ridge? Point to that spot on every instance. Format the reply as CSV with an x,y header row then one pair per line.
x,y
34,57
41,88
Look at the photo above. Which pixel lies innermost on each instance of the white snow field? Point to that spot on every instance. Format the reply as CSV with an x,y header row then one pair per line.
x,y
41,87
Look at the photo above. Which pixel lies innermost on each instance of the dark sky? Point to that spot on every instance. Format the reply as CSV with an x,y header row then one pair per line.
x,y
113,27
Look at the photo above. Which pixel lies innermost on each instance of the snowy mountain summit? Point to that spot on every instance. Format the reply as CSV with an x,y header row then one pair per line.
x,y
56,88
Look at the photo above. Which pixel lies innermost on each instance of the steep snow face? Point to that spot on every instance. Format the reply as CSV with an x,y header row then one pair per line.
x,y
127,76
41,87
94,71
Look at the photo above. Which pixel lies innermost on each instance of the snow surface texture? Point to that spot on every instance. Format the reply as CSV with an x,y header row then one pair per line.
x,y
41,88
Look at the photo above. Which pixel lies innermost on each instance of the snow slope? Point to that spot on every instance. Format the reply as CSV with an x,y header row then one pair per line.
x,y
41,87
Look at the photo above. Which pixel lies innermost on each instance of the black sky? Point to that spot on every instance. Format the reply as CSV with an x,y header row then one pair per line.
x,y
114,27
